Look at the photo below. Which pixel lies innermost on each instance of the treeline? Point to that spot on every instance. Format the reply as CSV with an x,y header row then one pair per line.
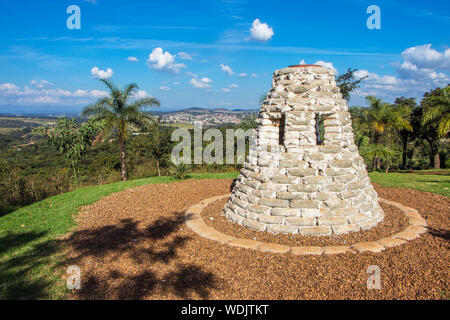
x,y
405,134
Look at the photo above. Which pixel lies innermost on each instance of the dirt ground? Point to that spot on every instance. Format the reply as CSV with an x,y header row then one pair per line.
x,y
134,245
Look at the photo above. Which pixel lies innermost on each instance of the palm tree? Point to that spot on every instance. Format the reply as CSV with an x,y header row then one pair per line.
x,y
377,115
439,109
401,121
385,118
120,114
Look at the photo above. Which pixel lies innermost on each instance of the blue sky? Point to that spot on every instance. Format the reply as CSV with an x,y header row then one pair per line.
x,y
213,54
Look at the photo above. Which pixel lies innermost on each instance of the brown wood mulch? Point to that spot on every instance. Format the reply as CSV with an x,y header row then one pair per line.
x,y
134,245
395,221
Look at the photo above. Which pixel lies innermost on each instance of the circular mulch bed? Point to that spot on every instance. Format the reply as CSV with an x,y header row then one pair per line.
x,y
394,221
134,245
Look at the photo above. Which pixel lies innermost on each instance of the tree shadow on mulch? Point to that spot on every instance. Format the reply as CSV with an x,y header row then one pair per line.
x,y
440,233
185,282
18,276
155,243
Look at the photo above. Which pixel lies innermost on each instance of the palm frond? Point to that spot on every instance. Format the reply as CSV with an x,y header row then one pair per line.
x,y
142,121
129,90
144,103
112,87
431,114
444,125
101,108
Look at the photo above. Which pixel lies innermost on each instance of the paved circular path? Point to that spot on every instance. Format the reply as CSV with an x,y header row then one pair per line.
x,y
417,226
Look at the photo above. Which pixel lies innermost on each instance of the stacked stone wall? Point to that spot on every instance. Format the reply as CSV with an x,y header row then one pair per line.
x,y
296,185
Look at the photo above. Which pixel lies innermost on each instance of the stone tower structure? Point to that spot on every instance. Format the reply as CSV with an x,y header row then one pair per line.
x,y
303,175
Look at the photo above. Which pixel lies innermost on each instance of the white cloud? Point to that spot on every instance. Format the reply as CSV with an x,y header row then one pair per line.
x,y
226,69
422,63
176,83
13,94
254,75
225,90
201,83
38,100
164,88
322,63
89,93
260,31
41,83
408,70
359,74
184,56
163,61
425,57
8,87
141,94
233,85
411,82
328,65
133,59
102,74
242,75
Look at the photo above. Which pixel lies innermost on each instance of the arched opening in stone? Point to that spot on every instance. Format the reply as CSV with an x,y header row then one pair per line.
x,y
320,129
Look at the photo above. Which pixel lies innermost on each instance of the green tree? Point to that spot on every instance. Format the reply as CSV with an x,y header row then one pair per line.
x,y
387,122
437,107
347,82
248,122
71,139
431,122
120,114
403,109
161,146
377,116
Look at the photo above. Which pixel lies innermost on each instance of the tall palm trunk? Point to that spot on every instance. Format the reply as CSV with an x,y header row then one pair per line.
x,y
376,158
157,166
437,161
123,160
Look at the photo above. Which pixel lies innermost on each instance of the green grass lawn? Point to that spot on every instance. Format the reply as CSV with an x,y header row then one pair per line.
x,y
31,256
420,180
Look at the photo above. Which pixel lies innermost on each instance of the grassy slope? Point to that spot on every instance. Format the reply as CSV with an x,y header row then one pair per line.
x,y
29,254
